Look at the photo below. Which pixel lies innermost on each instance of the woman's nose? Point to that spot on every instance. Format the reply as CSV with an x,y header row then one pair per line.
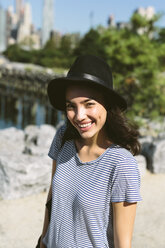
x,y
80,114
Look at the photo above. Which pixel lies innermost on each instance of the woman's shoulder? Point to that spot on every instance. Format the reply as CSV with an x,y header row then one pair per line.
x,y
60,129
57,141
59,133
123,161
121,154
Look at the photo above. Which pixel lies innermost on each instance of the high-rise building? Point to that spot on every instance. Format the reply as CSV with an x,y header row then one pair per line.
x,y
25,26
48,21
3,34
13,19
11,25
18,8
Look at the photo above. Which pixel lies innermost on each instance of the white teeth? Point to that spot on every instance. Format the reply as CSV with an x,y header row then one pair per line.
x,y
85,125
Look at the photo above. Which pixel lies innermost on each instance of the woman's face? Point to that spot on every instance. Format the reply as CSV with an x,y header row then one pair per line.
x,y
85,111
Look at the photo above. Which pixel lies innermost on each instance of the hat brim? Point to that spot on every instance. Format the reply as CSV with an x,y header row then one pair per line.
x,y
57,87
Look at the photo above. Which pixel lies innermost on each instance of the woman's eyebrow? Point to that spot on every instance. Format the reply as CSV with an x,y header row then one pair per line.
x,y
87,100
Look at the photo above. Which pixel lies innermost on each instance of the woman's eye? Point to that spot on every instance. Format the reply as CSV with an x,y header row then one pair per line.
x,y
89,104
69,106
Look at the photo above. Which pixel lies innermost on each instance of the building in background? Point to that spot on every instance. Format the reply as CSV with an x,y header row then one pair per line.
x,y
12,26
147,13
121,25
19,9
9,24
25,23
16,26
111,21
118,25
47,21
19,27
3,34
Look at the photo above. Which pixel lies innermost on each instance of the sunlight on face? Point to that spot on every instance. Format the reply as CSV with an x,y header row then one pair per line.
x,y
85,110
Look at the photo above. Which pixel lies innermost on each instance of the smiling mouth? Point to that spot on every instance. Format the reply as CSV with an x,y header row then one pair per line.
x,y
85,126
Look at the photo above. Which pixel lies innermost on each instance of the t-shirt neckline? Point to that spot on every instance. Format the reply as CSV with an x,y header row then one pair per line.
x,y
92,161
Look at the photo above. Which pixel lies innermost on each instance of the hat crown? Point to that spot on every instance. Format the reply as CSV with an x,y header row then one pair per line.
x,y
92,66
87,70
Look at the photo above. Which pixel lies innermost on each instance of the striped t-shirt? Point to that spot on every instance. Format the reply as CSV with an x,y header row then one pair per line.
x,y
82,193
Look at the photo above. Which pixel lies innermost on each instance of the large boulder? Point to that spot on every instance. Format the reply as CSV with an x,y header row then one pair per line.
x,y
142,164
23,175
38,139
25,168
11,141
151,128
154,152
159,156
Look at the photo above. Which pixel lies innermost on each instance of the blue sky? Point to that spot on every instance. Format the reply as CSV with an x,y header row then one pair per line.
x,y
74,15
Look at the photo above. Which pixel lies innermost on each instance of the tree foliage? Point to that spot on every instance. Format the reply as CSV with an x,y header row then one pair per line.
x,y
90,44
135,62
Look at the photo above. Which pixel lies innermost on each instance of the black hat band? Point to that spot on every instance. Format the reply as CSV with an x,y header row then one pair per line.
x,y
89,77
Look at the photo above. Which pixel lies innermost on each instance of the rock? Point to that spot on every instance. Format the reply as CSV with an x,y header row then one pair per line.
x,y
151,128
148,139
38,139
23,175
161,136
11,141
159,157
154,153
142,164
46,133
25,168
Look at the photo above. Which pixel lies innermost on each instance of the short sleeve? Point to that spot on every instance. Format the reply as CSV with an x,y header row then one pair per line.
x,y
56,143
126,181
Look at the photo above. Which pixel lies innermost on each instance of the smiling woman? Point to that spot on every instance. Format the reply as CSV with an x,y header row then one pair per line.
x,y
95,178
84,112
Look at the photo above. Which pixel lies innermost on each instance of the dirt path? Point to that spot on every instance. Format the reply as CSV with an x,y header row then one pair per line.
x,y
150,220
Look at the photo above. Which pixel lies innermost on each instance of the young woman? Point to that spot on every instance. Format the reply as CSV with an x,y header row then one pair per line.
x,y
95,178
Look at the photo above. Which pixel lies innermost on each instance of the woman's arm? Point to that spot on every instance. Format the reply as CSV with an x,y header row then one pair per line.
x,y
46,219
123,222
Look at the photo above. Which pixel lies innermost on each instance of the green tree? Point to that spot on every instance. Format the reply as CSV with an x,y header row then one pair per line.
x,y
57,54
135,63
15,53
161,35
66,45
90,44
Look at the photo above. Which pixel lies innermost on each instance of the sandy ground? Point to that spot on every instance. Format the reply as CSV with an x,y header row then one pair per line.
x,y
21,220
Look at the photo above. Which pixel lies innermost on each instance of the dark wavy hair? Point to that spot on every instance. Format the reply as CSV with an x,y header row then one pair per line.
x,y
119,129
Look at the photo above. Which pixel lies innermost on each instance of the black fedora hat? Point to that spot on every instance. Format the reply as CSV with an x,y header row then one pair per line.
x,y
86,70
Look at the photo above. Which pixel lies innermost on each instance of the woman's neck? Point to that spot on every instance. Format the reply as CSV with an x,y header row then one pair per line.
x,y
90,150
100,141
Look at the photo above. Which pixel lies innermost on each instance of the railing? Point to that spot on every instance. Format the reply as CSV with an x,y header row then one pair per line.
x,y
19,81
23,96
